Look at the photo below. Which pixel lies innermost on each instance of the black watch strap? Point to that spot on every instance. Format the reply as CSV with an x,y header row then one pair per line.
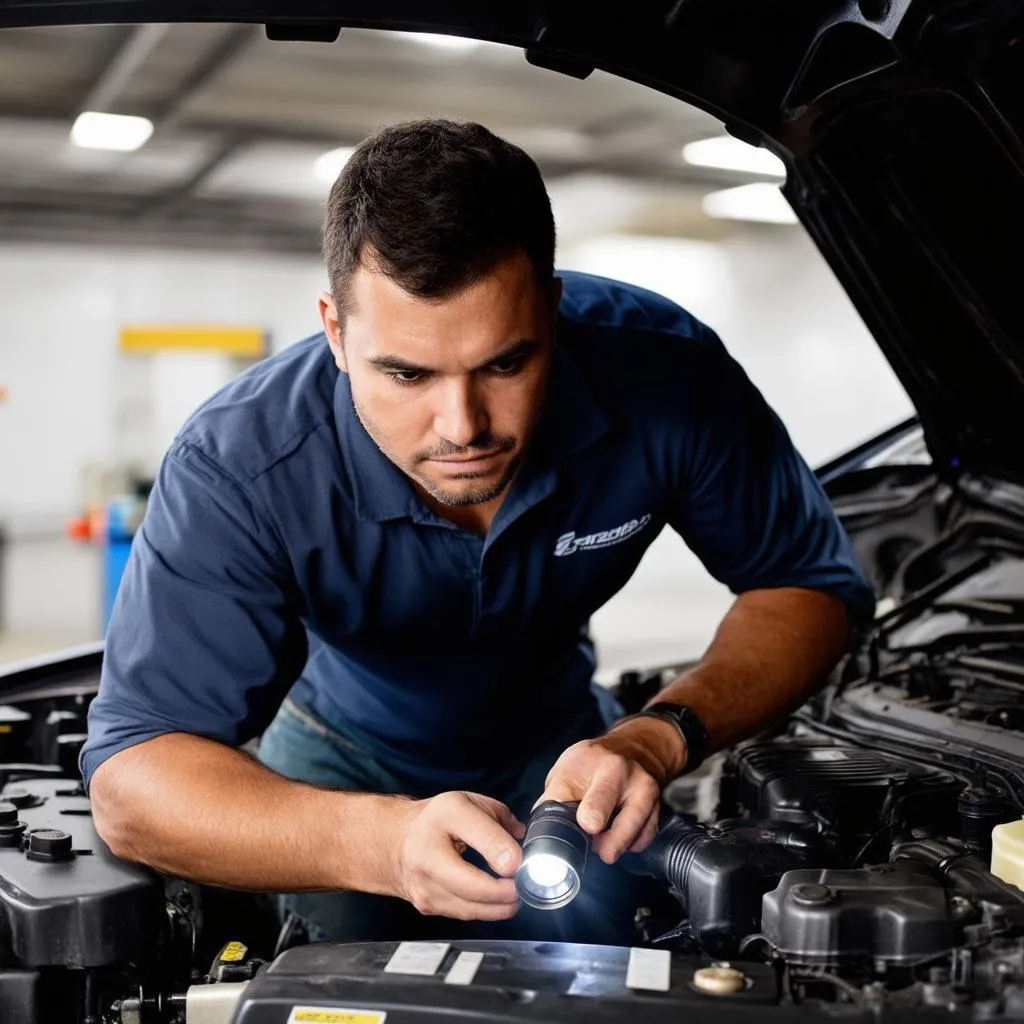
x,y
690,727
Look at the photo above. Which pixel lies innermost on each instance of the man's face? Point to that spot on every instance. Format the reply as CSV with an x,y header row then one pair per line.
x,y
449,389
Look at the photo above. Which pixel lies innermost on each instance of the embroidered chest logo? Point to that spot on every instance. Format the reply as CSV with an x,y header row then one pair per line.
x,y
569,543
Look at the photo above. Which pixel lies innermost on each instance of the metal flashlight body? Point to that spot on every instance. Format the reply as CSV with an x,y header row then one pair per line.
x,y
555,852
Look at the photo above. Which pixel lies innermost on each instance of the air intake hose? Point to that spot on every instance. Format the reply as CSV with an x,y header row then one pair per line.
x,y
720,872
961,868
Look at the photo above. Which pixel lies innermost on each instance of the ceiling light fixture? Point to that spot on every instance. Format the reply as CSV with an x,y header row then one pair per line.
x,y
442,42
729,154
762,202
95,130
328,166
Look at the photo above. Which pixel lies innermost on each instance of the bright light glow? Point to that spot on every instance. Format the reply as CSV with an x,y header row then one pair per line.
x,y
93,130
759,202
729,154
442,42
547,870
328,166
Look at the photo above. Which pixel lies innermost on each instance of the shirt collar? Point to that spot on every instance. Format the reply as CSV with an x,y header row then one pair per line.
x,y
570,421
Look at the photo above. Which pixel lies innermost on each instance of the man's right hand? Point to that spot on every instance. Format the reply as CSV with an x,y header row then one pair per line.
x,y
194,808
429,870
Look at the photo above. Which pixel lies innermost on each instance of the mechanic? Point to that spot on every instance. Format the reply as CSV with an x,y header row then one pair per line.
x,y
380,549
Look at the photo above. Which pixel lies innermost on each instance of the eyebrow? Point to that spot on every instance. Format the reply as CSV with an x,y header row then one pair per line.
x,y
523,347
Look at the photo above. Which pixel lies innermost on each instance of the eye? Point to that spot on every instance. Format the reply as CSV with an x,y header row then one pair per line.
x,y
406,377
508,366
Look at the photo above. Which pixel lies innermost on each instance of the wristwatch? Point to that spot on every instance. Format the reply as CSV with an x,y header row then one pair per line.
x,y
690,727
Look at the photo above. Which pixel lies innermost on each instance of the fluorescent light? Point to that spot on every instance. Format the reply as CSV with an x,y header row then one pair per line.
x,y
93,130
761,201
442,42
328,166
729,154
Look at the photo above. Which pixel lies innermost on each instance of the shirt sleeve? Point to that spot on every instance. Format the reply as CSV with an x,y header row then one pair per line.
x,y
747,503
205,636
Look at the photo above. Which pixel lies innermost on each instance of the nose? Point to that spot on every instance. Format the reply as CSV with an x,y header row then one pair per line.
x,y
461,417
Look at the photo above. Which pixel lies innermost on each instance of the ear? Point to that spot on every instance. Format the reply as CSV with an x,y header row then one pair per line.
x,y
332,328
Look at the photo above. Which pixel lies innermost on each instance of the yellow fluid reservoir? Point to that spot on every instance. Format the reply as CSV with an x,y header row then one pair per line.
x,y
1008,852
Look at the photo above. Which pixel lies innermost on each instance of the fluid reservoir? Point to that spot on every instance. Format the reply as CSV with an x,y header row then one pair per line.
x,y
1008,852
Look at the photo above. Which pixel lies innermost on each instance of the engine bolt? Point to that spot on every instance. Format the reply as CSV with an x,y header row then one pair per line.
x,y
718,981
961,906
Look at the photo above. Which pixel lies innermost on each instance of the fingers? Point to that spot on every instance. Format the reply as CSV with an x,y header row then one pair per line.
x,y
435,877
648,832
487,826
567,780
445,885
603,795
558,789
508,821
618,799
463,910
450,873
639,801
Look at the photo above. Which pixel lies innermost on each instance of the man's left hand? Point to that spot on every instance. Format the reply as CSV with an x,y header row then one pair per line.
x,y
617,778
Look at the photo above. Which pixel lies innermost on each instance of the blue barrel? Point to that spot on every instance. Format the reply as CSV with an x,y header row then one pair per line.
x,y
123,516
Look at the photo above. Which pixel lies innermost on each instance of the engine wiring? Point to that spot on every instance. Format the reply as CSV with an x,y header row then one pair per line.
x,y
972,670
804,975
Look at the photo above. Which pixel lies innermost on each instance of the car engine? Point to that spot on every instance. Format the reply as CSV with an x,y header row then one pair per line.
x,y
839,863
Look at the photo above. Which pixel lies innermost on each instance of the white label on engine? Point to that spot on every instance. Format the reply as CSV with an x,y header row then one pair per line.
x,y
417,958
649,969
827,755
464,969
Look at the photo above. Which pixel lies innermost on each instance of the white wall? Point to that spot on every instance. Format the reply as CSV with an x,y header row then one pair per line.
x,y
60,310
782,314
770,297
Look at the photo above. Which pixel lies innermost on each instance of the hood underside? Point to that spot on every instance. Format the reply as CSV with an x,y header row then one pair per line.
x,y
901,122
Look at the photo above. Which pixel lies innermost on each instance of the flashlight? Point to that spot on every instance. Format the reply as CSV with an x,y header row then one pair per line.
x,y
554,856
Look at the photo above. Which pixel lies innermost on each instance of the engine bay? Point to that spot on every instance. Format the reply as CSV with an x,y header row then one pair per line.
x,y
841,862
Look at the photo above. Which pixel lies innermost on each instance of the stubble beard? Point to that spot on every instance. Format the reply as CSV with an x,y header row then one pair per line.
x,y
450,499
476,496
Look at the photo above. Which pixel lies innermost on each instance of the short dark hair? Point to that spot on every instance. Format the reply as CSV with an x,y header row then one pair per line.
x,y
437,204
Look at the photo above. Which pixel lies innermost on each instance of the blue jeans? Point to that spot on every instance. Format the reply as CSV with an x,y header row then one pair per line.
x,y
300,746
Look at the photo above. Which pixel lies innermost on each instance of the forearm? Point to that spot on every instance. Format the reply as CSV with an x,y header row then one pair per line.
x,y
770,650
200,810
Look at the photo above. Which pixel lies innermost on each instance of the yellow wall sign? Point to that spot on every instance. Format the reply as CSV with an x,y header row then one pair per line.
x,y
330,1015
239,340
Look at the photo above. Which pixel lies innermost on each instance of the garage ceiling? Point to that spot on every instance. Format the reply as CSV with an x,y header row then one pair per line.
x,y
239,121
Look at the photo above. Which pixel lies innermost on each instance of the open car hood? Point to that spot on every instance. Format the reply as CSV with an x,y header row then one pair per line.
x,y
901,121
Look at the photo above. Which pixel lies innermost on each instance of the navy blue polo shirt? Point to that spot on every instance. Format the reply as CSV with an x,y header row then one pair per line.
x,y
282,551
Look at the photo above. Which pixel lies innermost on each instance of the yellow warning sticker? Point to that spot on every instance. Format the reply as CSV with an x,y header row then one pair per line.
x,y
334,1015
6,728
233,952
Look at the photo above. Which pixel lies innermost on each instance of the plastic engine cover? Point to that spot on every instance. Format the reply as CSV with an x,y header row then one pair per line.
x,y
890,913
801,781
65,899
553,982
